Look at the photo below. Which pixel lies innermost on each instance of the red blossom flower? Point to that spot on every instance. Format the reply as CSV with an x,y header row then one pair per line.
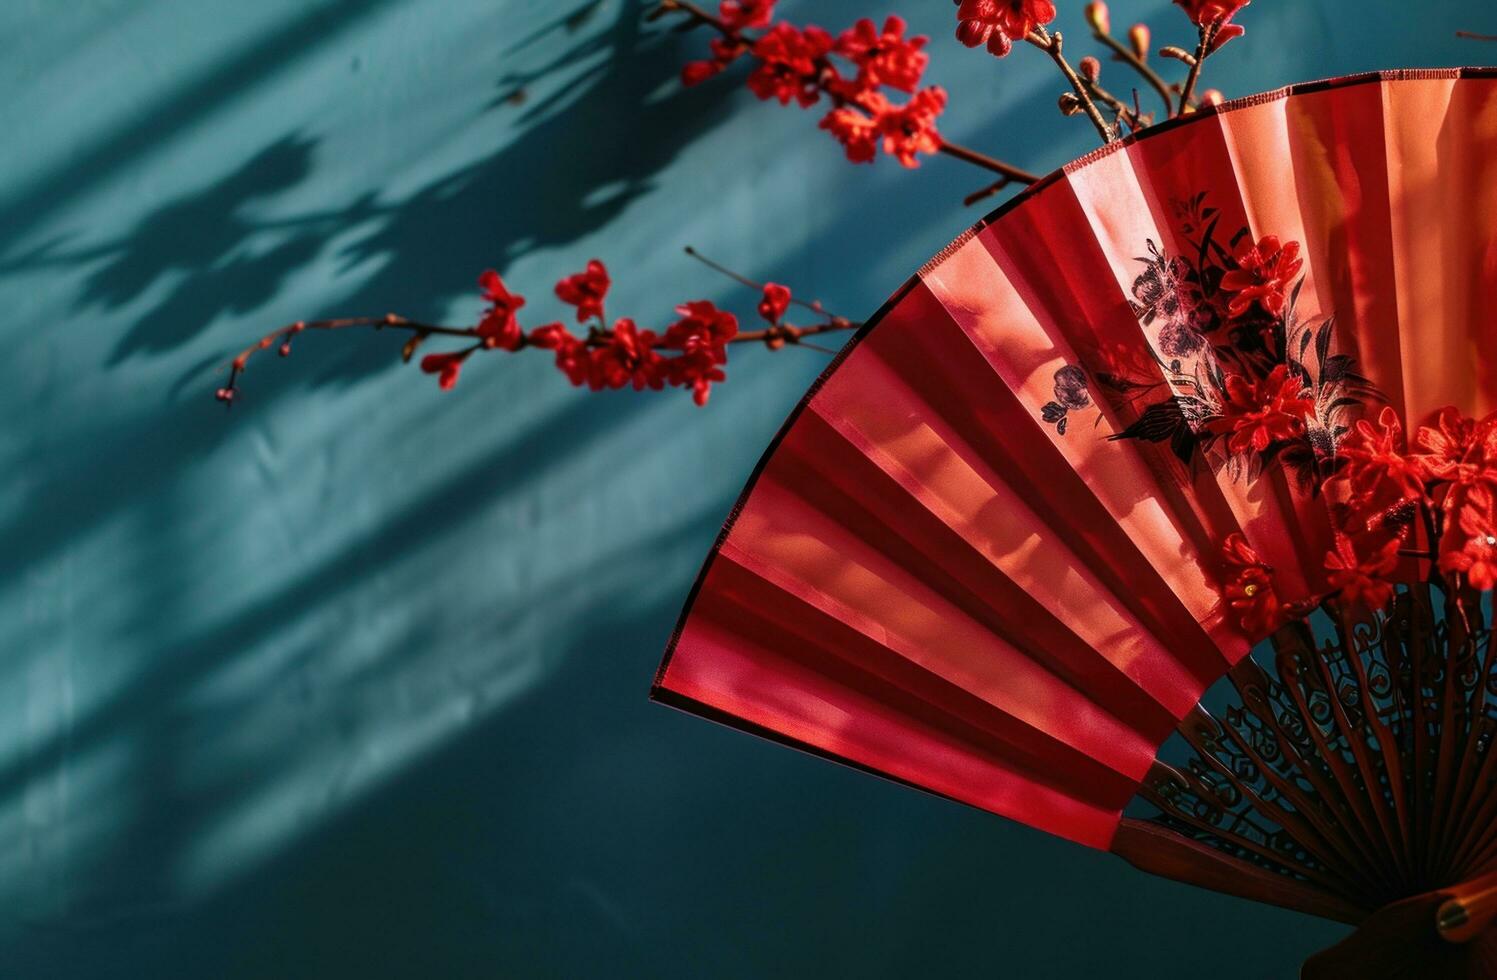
x,y
1441,448
1250,591
1469,545
697,72
701,335
495,292
910,129
724,53
1263,275
553,336
1238,554
571,351
702,326
1457,449
774,303
1374,454
1226,32
739,14
999,23
445,366
586,290
696,370
790,64
1262,413
884,58
1204,13
628,358
498,328
1360,572
855,130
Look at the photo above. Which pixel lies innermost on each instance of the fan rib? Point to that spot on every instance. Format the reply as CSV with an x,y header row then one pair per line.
x,y
1157,851
1105,517
992,669
845,675
998,437
927,539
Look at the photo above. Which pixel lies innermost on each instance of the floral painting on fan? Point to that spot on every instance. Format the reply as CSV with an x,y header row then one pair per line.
x,y
1250,382
1250,379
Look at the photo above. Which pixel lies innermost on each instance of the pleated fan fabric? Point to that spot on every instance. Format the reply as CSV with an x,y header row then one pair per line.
x,y
980,559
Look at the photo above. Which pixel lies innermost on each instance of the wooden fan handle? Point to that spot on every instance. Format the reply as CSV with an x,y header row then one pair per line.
x,y
1470,908
1444,935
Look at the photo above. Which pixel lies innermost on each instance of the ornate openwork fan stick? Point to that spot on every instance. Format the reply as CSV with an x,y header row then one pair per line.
x,y
1354,775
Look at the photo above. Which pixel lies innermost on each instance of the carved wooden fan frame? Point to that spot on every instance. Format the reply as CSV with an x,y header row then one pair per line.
x,y
1352,778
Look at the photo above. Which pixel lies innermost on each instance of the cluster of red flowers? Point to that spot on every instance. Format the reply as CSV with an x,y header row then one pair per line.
x,y
690,353
796,64
1435,497
999,23
1257,414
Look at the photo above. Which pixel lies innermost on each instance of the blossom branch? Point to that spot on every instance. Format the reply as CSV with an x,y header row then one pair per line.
x,y
1009,173
813,305
1126,115
688,354
1052,44
1203,50
1125,54
1473,36
824,79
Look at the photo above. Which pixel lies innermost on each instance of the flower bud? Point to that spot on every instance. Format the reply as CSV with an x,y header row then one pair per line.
x,y
1212,97
225,394
1138,39
1097,16
1069,104
1091,69
285,350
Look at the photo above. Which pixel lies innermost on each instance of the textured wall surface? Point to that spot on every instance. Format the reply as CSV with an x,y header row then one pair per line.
x,y
352,682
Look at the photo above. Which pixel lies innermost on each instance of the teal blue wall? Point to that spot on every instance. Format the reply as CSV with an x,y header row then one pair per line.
x,y
351,682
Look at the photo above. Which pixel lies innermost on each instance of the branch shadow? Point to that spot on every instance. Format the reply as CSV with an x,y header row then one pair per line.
x,y
205,251
204,239
612,128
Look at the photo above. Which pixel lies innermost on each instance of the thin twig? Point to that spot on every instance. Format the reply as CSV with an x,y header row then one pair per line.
x,y
813,305
1203,50
1473,36
1051,44
1117,105
1124,54
986,192
1008,171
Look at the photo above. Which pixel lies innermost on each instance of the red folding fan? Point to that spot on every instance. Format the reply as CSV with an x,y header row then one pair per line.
x,y
1223,382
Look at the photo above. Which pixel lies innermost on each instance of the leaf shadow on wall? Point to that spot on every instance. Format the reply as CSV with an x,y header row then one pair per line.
x,y
609,127
211,258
